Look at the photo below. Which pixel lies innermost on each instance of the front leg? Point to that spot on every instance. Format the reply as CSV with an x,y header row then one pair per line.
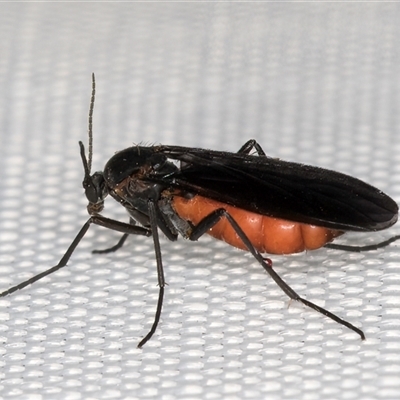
x,y
94,219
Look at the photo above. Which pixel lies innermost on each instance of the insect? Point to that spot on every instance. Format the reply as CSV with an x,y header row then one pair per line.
x,y
251,201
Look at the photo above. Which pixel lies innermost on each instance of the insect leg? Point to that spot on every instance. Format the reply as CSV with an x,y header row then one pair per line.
x,y
213,218
153,211
95,219
118,245
250,145
111,249
359,249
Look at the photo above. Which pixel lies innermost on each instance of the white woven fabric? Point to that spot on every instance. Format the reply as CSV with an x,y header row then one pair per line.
x,y
312,82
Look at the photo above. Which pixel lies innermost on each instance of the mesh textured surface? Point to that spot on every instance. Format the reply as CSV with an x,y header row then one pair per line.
x,y
312,82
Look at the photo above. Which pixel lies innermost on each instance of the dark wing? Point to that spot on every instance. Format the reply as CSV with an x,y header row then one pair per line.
x,y
281,189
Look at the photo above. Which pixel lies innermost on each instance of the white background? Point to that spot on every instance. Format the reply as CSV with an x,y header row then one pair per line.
x,y
312,82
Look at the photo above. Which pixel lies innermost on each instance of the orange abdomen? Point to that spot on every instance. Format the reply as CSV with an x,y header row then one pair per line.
x,y
267,234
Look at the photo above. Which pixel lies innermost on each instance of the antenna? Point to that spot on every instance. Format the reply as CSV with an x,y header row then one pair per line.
x,y
90,129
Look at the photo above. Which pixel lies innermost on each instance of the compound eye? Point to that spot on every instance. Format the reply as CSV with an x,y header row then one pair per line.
x,y
90,192
94,188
